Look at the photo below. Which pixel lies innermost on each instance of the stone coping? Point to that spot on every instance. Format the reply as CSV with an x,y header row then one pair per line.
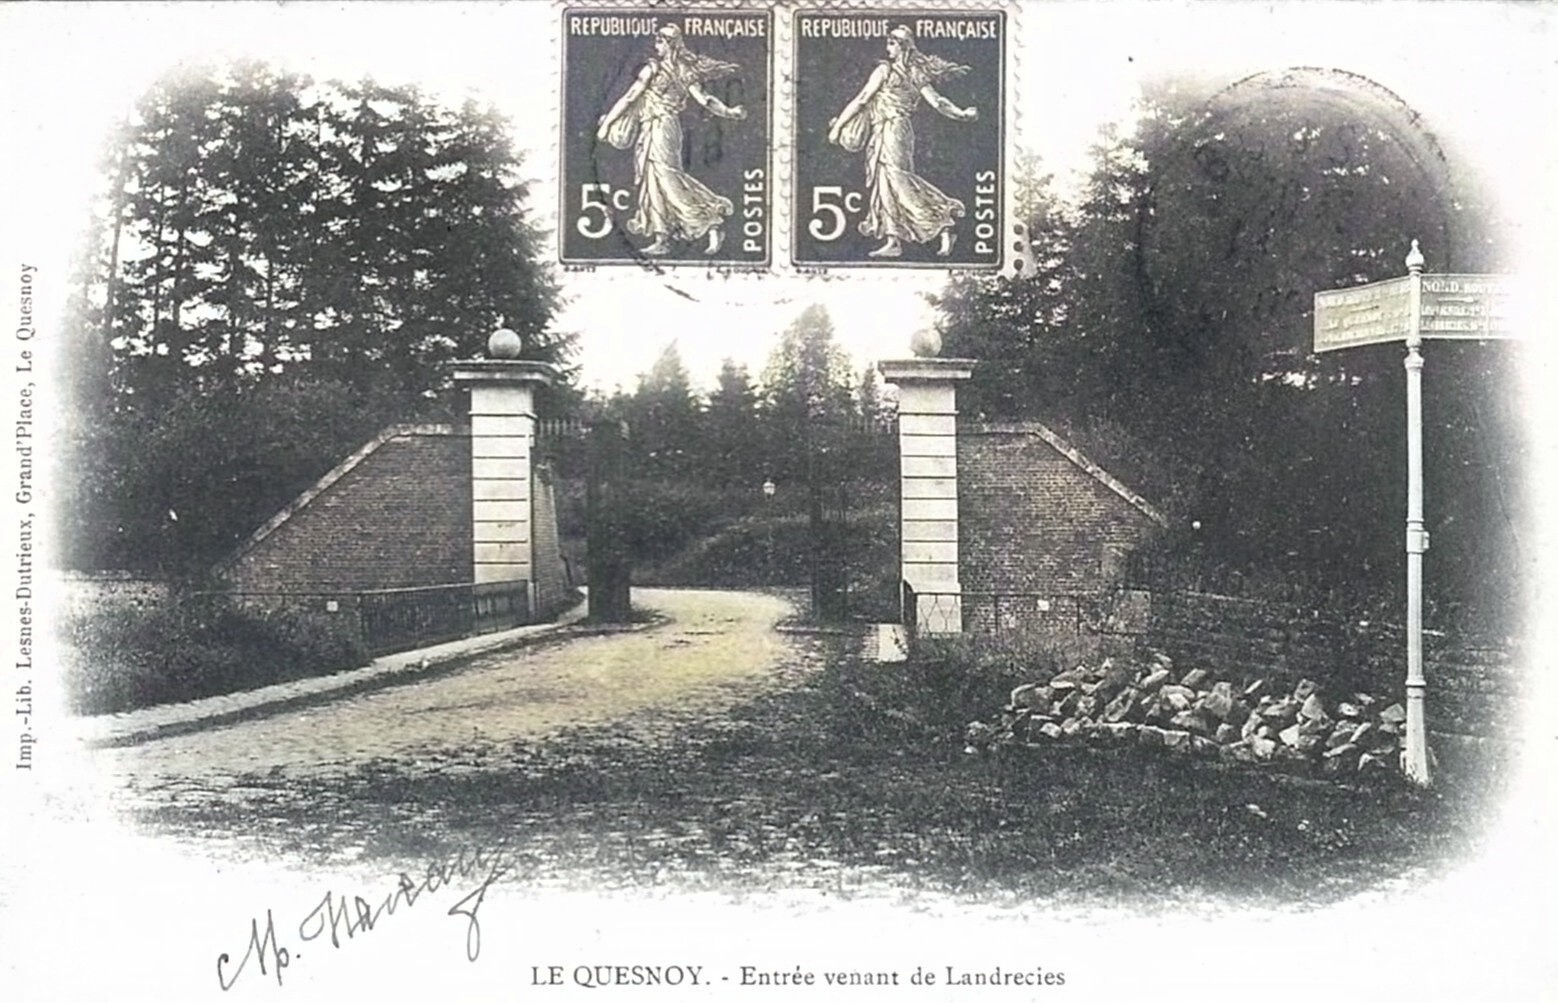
x,y
925,370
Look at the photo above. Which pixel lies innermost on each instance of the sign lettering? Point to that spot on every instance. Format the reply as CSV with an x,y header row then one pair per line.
x,y
1467,306
1362,315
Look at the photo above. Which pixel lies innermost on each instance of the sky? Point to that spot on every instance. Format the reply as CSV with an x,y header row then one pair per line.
x,y
1465,67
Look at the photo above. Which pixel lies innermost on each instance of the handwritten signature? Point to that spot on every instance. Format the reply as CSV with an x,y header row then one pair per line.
x,y
340,918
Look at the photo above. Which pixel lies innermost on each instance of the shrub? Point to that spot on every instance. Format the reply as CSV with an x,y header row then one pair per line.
x,y
950,681
119,659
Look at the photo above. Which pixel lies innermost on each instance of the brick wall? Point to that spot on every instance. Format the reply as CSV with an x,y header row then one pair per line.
x,y
552,584
398,514
1473,685
1034,520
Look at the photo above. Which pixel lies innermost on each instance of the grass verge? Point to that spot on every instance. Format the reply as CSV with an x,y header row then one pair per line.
x,y
122,659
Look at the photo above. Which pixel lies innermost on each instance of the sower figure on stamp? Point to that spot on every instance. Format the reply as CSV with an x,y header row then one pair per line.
x,y
903,205
671,203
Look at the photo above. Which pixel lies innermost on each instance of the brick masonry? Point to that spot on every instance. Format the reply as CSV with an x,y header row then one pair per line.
x,y
1473,684
1038,521
551,574
1037,518
397,514
398,517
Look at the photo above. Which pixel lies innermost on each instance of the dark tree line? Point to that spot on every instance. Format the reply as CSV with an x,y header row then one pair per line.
x,y
810,427
1168,329
276,270
745,431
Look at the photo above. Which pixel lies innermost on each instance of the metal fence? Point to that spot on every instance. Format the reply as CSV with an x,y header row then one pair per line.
x,y
390,620
983,612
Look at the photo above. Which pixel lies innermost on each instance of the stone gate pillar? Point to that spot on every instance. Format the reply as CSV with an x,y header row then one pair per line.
x,y
928,481
503,428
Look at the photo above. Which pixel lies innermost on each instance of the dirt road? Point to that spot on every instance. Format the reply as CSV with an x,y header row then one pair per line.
x,y
711,650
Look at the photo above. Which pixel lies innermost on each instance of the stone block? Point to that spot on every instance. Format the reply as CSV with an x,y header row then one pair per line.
x,y
928,445
1280,713
928,508
500,447
927,424
500,511
1219,701
929,487
1030,695
1151,734
1190,720
1264,749
930,552
1179,698
1116,679
502,553
1238,752
1313,709
1195,678
930,531
928,466
1125,704
1153,680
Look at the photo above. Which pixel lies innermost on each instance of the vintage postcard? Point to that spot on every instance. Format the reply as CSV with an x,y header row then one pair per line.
x,y
805,500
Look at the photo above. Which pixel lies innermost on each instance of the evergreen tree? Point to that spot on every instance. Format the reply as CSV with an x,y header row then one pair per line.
x,y
735,454
663,415
807,396
265,246
1169,332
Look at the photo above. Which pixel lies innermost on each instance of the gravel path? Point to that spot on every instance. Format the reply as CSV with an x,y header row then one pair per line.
x,y
712,647
713,752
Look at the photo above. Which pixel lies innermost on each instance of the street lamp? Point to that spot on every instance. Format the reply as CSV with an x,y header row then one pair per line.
x,y
769,487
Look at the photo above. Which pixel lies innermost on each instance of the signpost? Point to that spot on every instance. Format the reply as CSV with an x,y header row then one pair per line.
x,y
1362,315
1410,309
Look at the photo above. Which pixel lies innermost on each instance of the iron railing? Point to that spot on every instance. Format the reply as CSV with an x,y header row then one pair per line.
x,y
988,612
390,620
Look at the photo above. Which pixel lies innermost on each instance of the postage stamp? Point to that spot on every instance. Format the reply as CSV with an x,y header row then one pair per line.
x,y
898,134
667,136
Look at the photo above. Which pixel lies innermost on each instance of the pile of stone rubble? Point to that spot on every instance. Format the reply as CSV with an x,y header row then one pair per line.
x,y
1255,721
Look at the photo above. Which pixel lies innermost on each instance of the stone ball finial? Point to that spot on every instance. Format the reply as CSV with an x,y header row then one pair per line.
x,y
504,344
926,344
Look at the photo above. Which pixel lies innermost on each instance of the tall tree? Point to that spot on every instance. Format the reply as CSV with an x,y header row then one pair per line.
x,y
807,394
267,242
663,415
1173,328
733,439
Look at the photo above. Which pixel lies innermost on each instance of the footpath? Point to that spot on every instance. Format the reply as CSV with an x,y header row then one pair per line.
x,y
165,720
